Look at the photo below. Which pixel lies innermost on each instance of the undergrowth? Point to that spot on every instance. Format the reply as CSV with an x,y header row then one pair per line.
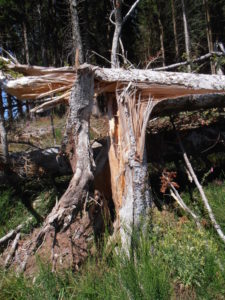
x,y
173,260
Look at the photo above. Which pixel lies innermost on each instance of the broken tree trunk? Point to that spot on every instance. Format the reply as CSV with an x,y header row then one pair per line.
x,y
128,119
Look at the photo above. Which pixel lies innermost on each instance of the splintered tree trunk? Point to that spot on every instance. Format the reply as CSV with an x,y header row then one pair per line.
x,y
128,161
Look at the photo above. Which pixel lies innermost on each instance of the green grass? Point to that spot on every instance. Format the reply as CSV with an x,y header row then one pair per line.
x,y
173,260
215,193
13,211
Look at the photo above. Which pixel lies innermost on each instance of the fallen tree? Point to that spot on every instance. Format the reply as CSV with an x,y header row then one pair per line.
x,y
132,96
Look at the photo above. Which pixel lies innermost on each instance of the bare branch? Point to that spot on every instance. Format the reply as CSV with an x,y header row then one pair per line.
x,y
12,250
130,11
185,63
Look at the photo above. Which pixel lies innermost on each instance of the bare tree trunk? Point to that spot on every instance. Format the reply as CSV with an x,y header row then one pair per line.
x,y
162,40
186,35
117,33
20,108
42,36
175,29
3,132
128,162
80,154
209,34
119,22
10,107
52,126
76,36
1,106
27,55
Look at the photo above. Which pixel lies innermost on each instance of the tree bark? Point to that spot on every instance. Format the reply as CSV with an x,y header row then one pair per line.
x,y
78,148
175,30
161,39
4,154
10,107
117,33
76,36
128,162
26,47
186,35
209,34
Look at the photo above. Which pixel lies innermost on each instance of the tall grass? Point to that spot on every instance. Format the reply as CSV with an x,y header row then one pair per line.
x,y
173,260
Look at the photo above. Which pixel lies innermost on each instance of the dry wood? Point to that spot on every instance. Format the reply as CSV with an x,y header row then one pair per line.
x,y
10,234
185,63
174,193
12,250
199,187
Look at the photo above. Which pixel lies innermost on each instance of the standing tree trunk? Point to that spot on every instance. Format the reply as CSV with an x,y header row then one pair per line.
x,y
161,39
119,22
117,33
209,34
186,35
175,30
20,108
65,212
52,126
27,55
42,36
128,161
76,36
4,154
10,108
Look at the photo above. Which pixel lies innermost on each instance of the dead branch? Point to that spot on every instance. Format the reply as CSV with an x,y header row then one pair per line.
x,y
12,250
199,187
174,193
10,234
129,13
185,63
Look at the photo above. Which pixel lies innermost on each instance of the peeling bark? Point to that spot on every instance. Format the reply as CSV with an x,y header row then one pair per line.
x,y
128,161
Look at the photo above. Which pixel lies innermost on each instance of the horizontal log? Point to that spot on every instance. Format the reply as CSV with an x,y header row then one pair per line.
x,y
161,85
189,103
157,84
